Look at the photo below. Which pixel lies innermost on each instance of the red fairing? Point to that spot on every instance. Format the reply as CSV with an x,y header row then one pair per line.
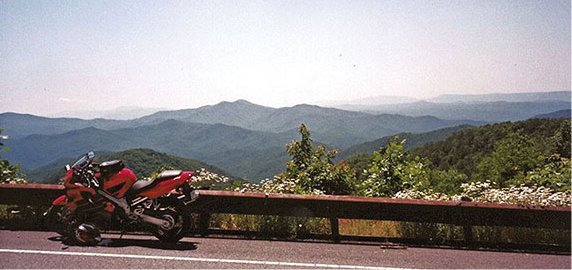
x,y
120,183
167,186
117,185
62,200
74,192
68,178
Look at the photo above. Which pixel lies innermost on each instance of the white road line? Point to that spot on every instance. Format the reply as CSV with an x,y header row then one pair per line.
x,y
151,257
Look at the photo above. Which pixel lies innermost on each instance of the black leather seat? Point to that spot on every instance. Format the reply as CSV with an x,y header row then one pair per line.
x,y
167,175
143,185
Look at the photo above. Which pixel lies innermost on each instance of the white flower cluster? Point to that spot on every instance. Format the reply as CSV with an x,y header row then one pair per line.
x,y
204,178
275,185
421,195
484,192
520,195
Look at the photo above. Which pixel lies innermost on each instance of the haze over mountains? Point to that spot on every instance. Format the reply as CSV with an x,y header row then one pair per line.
x,y
246,139
121,113
487,107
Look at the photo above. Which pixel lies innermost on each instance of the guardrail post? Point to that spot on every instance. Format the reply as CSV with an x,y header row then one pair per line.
x,y
334,224
204,221
468,233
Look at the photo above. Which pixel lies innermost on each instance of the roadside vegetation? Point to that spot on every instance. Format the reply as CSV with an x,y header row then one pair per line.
x,y
525,163
522,163
9,173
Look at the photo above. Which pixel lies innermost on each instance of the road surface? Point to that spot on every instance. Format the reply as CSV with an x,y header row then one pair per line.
x,y
24,249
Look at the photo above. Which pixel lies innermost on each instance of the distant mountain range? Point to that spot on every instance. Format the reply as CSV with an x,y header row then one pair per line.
x,y
411,140
121,113
485,107
190,140
556,114
335,127
246,139
506,97
20,125
368,101
497,111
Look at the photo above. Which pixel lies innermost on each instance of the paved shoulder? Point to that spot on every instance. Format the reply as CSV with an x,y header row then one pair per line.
x,y
44,250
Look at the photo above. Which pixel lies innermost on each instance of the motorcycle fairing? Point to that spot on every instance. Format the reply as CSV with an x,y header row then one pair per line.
x,y
120,183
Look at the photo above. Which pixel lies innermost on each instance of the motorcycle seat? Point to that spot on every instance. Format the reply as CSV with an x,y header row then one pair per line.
x,y
168,175
143,185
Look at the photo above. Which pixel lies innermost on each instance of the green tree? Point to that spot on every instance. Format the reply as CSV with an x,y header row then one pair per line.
x,y
562,140
360,163
512,157
315,170
391,171
9,173
555,174
448,182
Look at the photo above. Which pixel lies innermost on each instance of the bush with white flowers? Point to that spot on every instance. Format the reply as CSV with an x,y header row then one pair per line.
x,y
485,192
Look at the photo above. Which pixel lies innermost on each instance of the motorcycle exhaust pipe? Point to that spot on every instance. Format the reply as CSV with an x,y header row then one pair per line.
x,y
122,203
155,221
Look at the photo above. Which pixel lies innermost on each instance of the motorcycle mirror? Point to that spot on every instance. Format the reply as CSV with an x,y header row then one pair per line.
x,y
90,155
68,167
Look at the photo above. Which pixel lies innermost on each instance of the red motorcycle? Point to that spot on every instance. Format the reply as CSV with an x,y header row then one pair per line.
x,y
109,195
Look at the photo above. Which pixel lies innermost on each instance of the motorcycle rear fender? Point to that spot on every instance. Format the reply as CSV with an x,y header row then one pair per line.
x,y
167,186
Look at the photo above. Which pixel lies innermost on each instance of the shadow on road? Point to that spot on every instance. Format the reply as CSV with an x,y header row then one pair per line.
x,y
155,244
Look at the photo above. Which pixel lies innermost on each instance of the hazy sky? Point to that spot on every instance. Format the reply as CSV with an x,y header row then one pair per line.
x,y
71,55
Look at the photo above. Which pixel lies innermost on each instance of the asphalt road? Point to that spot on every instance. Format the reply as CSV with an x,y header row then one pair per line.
x,y
24,249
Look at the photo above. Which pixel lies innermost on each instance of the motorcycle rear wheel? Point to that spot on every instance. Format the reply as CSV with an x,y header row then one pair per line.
x,y
180,225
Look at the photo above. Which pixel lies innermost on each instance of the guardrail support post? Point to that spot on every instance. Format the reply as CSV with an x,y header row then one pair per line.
x,y
204,221
334,224
468,233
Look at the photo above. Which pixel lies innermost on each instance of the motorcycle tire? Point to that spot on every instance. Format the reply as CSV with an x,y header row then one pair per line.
x,y
181,225
53,220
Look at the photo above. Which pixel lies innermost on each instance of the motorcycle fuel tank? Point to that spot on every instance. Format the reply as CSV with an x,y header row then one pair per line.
x,y
118,184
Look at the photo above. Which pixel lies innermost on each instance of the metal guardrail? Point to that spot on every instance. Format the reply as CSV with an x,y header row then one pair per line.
x,y
466,214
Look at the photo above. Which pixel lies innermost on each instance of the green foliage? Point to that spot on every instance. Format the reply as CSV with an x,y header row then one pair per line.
x,y
360,163
412,140
9,173
512,157
315,170
448,182
555,174
390,171
561,140
464,150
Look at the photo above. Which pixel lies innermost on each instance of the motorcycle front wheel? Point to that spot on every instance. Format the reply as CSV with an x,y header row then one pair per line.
x,y
54,219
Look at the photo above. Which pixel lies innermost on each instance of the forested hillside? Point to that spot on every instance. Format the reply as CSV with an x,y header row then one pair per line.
x,y
464,150
534,152
412,140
